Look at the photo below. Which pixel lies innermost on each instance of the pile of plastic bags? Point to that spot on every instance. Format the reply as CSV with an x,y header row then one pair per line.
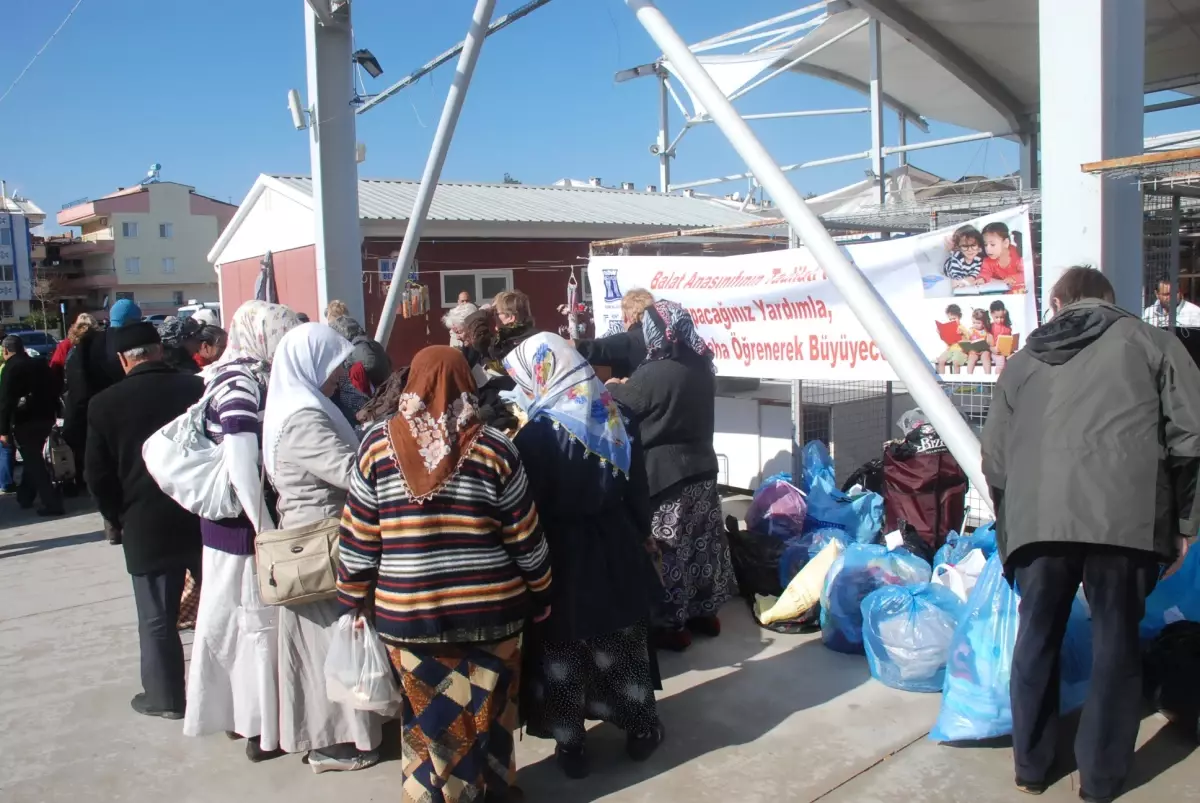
x,y
1175,599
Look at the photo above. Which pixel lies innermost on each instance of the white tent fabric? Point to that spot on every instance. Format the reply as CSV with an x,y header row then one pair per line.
x,y
730,73
901,186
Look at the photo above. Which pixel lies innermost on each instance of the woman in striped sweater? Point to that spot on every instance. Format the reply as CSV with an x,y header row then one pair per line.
x,y
441,535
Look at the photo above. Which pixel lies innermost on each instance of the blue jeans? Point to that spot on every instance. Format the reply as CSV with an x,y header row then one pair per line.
x,y
6,467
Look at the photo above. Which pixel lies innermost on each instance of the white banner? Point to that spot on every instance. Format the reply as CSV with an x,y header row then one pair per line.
x,y
961,293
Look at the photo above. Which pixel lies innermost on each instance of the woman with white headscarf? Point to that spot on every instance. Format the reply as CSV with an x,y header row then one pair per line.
x,y
233,677
309,452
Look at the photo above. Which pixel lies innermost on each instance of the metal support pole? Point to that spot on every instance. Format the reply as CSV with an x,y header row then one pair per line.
x,y
863,299
902,137
797,401
1029,156
664,133
887,414
337,235
1176,222
437,159
875,39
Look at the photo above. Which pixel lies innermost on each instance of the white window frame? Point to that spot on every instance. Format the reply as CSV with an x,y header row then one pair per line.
x,y
177,299
8,273
500,273
6,310
123,295
166,231
168,264
129,226
133,266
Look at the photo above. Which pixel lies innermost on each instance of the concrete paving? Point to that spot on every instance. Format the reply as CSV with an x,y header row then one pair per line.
x,y
751,716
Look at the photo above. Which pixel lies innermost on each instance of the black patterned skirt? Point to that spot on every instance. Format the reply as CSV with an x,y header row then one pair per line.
x,y
697,569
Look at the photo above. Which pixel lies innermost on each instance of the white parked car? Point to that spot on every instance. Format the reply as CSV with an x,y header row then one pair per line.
x,y
212,311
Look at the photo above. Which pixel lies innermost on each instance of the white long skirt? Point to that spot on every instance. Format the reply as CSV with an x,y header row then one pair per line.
x,y
308,719
233,681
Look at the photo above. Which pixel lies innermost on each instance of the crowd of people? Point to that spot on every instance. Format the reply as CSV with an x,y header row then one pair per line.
x,y
522,535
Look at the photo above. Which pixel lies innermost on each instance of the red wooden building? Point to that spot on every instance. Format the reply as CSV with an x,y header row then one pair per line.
x,y
482,238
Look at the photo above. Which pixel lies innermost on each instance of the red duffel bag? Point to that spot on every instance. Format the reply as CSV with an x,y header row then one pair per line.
x,y
924,486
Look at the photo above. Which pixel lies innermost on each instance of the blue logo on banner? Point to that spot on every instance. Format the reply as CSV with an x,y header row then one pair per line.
x,y
612,291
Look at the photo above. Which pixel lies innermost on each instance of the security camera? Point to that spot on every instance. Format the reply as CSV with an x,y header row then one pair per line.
x,y
654,150
297,110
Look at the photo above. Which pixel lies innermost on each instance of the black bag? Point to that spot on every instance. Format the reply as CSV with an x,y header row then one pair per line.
x,y
869,475
1172,667
755,560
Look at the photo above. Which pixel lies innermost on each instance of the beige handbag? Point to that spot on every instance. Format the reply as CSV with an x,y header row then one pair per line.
x,y
299,564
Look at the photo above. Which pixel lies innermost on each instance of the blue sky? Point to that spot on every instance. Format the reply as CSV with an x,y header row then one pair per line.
x,y
201,88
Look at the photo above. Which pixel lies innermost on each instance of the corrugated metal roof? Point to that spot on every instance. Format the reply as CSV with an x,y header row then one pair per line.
x,y
523,203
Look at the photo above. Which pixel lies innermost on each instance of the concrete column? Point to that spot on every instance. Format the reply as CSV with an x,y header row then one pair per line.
x,y
334,168
1092,55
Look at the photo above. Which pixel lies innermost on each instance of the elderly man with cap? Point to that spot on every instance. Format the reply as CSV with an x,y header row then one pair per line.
x,y
161,540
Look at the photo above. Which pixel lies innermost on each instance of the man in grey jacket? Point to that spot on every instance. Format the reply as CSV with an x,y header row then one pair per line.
x,y
1092,452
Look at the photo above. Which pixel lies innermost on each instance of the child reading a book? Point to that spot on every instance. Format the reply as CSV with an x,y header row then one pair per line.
x,y
953,334
979,342
1000,326
965,262
1003,262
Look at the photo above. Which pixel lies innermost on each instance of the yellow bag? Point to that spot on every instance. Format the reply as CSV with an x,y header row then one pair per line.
x,y
805,589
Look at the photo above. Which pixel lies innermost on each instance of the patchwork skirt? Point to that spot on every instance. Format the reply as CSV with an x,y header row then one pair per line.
x,y
696,565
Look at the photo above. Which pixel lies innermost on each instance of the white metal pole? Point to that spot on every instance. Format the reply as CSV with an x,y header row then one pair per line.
x,y
902,138
876,316
437,159
664,133
878,167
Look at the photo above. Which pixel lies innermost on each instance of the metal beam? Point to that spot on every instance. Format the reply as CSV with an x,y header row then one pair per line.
x,y
902,138
933,44
758,26
875,57
664,133
792,64
783,115
864,301
937,143
775,35
437,159
833,160
851,82
1170,104
421,72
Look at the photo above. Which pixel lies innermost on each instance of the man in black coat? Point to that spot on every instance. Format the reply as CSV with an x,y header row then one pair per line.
x,y
28,410
160,538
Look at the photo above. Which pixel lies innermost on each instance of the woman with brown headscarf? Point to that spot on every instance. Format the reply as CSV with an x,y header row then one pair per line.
x,y
441,534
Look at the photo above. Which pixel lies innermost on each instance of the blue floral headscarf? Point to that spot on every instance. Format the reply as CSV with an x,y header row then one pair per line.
x,y
554,381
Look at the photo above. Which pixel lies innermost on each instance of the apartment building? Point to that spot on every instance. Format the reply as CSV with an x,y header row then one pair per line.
x,y
18,220
147,243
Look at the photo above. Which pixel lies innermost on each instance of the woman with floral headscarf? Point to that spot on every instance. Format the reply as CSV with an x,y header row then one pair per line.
x,y
673,396
233,679
591,659
441,534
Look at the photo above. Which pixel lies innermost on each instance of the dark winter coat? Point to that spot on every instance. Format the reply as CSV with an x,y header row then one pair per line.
x,y
622,352
92,367
596,527
28,392
1093,435
158,533
674,402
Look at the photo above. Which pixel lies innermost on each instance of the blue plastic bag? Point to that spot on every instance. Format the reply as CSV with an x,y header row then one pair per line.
x,y
857,572
958,546
975,698
860,517
1173,599
817,463
801,549
907,632
778,509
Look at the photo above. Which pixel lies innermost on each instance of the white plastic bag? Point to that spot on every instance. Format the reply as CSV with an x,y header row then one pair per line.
x,y
189,467
358,672
961,577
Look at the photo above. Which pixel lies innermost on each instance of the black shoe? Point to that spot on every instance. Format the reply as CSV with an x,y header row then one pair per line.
x,y
1032,787
141,704
573,763
231,736
641,746
255,753
10,489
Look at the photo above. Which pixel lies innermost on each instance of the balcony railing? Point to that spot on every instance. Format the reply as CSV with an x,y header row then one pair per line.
x,y
99,235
